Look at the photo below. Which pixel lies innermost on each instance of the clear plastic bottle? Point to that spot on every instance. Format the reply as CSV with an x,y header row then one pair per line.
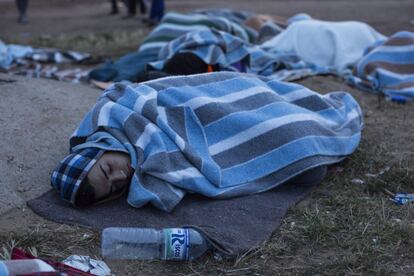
x,y
147,243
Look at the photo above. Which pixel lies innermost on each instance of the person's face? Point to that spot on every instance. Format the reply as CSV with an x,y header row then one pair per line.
x,y
110,175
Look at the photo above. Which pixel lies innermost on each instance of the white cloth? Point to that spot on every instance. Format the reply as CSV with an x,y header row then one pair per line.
x,y
11,52
333,45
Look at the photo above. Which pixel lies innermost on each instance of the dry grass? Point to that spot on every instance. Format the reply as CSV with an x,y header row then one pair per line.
x,y
56,243
106,44
342,229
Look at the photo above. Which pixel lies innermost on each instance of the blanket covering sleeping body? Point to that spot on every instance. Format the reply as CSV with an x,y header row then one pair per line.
x,y
388,67
221,135
225,50
335,46
306,47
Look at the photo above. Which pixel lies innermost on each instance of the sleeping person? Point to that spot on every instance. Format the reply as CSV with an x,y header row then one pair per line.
x,y
220,135
183,64
316,46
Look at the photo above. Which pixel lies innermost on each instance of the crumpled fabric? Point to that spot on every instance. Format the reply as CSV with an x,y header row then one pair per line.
x,y
333,45
10,53
87,264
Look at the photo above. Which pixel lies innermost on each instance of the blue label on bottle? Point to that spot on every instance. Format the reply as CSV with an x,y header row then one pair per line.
x,y
177,242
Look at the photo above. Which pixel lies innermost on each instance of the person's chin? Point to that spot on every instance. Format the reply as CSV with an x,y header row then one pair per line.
x,y
110,198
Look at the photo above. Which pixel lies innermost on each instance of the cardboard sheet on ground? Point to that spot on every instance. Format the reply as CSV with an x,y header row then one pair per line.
x,y
233,225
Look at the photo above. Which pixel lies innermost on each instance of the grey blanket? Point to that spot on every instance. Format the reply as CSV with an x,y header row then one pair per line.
x,y
232,225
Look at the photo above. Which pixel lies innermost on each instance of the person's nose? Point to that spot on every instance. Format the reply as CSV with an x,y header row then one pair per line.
x,y
118,176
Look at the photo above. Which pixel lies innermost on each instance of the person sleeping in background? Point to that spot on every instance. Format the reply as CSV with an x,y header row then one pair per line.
x,y
184,63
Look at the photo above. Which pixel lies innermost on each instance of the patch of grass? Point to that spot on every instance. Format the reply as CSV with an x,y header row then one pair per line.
x,y
342,229
55,244
351,229
399,179
108,44
317,225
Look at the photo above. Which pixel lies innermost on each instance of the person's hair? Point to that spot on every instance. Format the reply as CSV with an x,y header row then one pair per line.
x,y
147,75
85,196
185,64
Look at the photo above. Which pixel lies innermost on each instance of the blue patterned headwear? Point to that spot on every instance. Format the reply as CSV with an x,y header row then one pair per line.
x,y
72,170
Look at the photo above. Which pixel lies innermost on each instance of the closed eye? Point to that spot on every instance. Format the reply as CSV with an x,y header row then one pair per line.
x,y
103,171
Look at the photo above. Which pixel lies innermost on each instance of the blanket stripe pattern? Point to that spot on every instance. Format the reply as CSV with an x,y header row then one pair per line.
x,y
388,68
238,16
220,134
223,49
174,25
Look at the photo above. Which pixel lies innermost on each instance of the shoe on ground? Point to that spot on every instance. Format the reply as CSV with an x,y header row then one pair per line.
x,y
23,19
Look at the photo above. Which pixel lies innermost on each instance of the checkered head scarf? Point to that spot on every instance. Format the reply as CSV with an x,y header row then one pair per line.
x,y
72,170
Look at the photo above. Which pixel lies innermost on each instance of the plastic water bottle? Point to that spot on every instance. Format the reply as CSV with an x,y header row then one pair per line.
x,y
147,243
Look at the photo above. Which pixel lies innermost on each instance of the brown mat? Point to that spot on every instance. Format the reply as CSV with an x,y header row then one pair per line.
x,y
233,225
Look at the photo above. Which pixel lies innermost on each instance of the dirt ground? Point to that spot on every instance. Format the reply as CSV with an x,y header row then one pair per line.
x,y
51,17
341,228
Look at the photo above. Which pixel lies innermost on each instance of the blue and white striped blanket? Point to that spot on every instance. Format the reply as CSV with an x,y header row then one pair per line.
x,y
221,134
173,25
236,16
223,49
306,47
388,68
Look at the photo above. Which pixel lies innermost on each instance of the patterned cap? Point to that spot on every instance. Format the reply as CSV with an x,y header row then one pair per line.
x,y
72,170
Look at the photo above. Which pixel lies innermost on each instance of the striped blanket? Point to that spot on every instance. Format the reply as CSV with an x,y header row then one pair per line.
x,y
174,25
225,50
237,16
388,68
221,134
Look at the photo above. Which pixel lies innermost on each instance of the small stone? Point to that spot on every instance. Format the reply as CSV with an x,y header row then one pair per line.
x,y
217,257
357,181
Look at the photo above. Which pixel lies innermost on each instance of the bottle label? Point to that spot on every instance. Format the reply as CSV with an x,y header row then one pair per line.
x,y
177,242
